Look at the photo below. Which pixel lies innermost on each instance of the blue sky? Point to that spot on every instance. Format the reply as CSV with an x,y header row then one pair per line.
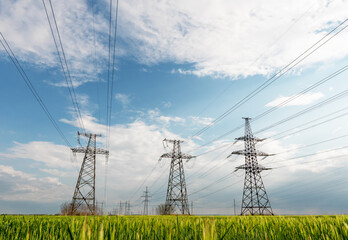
x,y
179,65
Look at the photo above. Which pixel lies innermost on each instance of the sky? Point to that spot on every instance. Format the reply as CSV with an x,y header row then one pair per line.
x,y
178,66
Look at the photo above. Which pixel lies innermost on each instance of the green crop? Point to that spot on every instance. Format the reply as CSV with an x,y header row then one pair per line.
x,y
173,227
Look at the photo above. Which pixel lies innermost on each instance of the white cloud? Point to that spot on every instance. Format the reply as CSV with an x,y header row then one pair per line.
x,y
216,38
299,100
50,154
88,122
14,173
25,187
124,99
30,37
318,162
230,38
167,104
167,120
202,120
155,115
56,172
181,71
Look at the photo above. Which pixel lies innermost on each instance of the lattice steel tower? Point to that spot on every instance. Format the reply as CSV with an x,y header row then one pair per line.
x,y
146,201
84,194
255,200
176,191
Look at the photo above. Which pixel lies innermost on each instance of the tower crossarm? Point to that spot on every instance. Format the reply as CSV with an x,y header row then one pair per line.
x,y
88,134
255,167
172,141
182,156
90,150
186,156
250,139
257,153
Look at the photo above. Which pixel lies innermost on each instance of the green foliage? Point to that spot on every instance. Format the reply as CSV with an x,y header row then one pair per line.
x,y
173,227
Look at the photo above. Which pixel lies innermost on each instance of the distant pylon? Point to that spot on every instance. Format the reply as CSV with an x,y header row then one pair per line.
x,y
255,200
120,209
83,200
176,191
146,197
128,208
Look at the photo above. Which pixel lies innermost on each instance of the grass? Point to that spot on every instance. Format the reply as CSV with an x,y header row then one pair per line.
x,y
173,227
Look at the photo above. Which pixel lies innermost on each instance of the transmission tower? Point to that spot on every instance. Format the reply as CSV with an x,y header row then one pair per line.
x,y
176,191
128,206
84,194
255,200
146,197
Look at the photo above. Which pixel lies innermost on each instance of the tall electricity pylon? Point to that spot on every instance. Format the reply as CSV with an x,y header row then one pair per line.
x,y
146,201
255,200
84,194
176,191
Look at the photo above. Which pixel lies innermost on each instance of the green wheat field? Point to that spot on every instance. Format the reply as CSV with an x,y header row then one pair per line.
x,y
173,227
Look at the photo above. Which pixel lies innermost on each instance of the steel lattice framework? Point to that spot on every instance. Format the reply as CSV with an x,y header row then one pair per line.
x,y
146,201
255,200
83,200
176,191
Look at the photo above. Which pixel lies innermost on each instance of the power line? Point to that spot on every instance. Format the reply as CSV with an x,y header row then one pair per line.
x,y
159,176
306,128
312,154
312,161
211,161
212,169
318,143
215,149
65,69
227,176
110,88
296,186
201,176
309,109
112,76
110,80
143,182
95,57
27,81
161,186
315,85
261,55
298,157
311,87
107,107
276,76
313,144
219,190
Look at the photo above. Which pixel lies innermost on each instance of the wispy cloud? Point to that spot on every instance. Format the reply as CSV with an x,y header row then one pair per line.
x,y
50,154
24,187
219,40
30,36
201,120
300,100
124,99
167,104
231,44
